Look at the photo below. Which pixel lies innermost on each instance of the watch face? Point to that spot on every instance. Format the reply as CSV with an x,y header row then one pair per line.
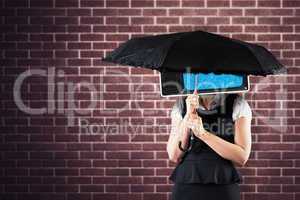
x,y
184,83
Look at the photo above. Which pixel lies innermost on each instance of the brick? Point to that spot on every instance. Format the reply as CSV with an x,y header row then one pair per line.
x,y
91,20
79,180
130,29
54,29
154,12
142,20
142,188
291,3
269,37
268,3
117,172
291,37
114,155
257,12
291,20
245,37
41,138
230,29
66,3
281,29
66,188
243,3
282,12
108,29
108,196
91,3
155,29
117,3
269,20
142,3
15,54
16,4
7,11
142,172
130,12
92,188
44,3
243,20
15,20
16,37
193,3
117,20
105,12
269,188
217,3
230,12
66,20
193,20
79,29
217,20
189,12
167,3
79,12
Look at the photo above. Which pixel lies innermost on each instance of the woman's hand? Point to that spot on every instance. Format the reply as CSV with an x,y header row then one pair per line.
x,y
193,120
192,103
196,125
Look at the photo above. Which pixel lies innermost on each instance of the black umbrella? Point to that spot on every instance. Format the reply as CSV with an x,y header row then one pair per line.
x,y
196,51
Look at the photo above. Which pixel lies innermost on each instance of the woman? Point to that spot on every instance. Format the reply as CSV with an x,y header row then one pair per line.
x,y
209,136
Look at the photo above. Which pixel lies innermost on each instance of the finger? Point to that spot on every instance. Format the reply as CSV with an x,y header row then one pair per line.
x,y
190,124
191,96
192,101
198,119
194,121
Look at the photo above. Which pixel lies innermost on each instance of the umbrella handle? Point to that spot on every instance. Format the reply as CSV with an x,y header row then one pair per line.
x,y
196,81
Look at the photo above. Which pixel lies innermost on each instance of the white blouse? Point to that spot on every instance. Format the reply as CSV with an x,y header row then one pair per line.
x,y
240,108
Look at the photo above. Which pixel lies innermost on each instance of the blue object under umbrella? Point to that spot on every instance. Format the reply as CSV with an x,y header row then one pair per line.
x,y
205,81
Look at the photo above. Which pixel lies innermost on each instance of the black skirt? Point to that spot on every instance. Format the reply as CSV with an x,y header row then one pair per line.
x,y
199,191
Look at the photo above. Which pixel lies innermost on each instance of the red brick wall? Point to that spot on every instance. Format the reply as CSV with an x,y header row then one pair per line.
x,y
49,156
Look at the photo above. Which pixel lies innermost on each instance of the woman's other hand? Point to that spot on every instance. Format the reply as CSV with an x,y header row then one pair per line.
x,y
195,124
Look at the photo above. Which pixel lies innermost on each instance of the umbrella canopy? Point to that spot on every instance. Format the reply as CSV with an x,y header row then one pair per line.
x,y
196,51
